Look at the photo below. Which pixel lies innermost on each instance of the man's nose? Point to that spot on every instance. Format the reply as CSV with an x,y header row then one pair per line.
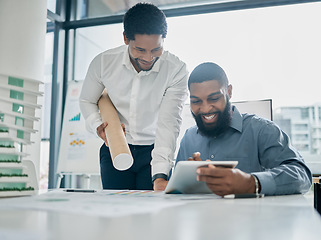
x,y
148,57
206,108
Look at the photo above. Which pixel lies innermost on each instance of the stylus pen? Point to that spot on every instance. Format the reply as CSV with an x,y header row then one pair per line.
x,y
80,190
245,195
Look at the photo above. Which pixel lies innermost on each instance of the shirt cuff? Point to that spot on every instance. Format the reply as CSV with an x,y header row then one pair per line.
x,y
267,182
159,175
92,122
161,162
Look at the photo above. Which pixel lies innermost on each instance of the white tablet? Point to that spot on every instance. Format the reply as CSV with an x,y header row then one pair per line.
x,y
184,180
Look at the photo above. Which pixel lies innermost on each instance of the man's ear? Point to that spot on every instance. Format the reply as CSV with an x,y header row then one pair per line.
x,y
126,40
229,90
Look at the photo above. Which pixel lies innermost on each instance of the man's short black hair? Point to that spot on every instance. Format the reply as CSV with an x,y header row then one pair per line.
x,y
144,18
208,71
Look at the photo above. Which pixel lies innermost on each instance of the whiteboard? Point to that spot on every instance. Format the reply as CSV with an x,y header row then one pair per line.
x,y
79,149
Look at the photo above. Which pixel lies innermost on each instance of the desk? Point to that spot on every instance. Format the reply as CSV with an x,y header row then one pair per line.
x,y
271,218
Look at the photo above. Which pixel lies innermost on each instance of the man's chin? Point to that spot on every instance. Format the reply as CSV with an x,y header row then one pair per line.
x,y
146,69
142,67
213,129
209,126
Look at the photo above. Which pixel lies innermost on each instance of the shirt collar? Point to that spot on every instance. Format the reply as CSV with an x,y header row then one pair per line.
x,y
237,120
126,62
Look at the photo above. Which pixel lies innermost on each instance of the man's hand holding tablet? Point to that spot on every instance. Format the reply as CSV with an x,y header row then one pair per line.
x,y
224,181
219,177
184,179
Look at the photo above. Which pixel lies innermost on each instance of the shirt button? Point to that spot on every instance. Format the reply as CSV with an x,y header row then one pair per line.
x,y
212,156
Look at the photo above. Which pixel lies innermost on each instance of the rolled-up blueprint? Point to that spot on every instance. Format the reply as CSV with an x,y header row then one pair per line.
x,y
118,147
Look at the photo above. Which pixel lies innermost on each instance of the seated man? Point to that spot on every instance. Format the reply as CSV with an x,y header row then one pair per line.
x,y
267,162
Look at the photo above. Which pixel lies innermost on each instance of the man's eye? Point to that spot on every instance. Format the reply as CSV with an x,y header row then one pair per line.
x,y
214,99
195,102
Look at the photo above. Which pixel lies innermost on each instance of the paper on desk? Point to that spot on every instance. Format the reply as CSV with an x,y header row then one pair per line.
x,y
101,203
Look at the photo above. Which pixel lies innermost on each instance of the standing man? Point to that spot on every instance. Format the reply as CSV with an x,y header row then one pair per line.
x,y
148,87
267,162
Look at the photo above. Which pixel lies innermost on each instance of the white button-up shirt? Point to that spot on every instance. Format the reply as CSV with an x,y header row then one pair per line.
x,y
149,103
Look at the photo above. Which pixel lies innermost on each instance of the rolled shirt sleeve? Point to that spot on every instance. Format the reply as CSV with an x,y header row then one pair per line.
x,y
285,170
91,91
169,122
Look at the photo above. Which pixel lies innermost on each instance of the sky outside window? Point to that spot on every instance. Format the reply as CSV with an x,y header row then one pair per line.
x,y
267,53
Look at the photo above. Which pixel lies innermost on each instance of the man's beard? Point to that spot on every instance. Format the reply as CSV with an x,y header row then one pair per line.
x,y
221,125
140,68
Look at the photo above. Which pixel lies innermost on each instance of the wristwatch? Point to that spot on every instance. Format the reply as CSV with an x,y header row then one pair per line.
x,y
257,184
159,175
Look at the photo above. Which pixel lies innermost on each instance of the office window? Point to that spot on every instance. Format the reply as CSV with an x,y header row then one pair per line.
x,y
99,8
267,53
264,54
15,81
16,95
51,5
92,41
46,88
1,117
45,101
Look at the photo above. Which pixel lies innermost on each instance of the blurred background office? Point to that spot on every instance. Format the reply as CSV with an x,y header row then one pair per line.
x,y
269,49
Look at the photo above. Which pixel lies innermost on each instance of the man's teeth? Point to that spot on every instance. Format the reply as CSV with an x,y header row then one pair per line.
x,y
209,117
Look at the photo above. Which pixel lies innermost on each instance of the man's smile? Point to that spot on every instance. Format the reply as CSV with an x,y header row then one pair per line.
x,y
209,118
144,63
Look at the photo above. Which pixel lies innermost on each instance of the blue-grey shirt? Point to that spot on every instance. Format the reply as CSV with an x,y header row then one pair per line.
x,y
260,147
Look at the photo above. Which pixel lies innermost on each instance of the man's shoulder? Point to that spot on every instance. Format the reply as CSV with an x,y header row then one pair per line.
x,y
191,130
255,118
115,51
111,56
257,122
172,59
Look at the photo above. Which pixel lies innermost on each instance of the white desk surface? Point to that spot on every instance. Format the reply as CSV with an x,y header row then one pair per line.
x,y
282,217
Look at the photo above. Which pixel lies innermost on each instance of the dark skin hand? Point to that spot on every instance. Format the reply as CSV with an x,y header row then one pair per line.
x,y
195,157
223,181
101,131
160,184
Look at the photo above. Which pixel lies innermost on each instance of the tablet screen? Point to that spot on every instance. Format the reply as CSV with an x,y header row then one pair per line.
x,y
184,180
